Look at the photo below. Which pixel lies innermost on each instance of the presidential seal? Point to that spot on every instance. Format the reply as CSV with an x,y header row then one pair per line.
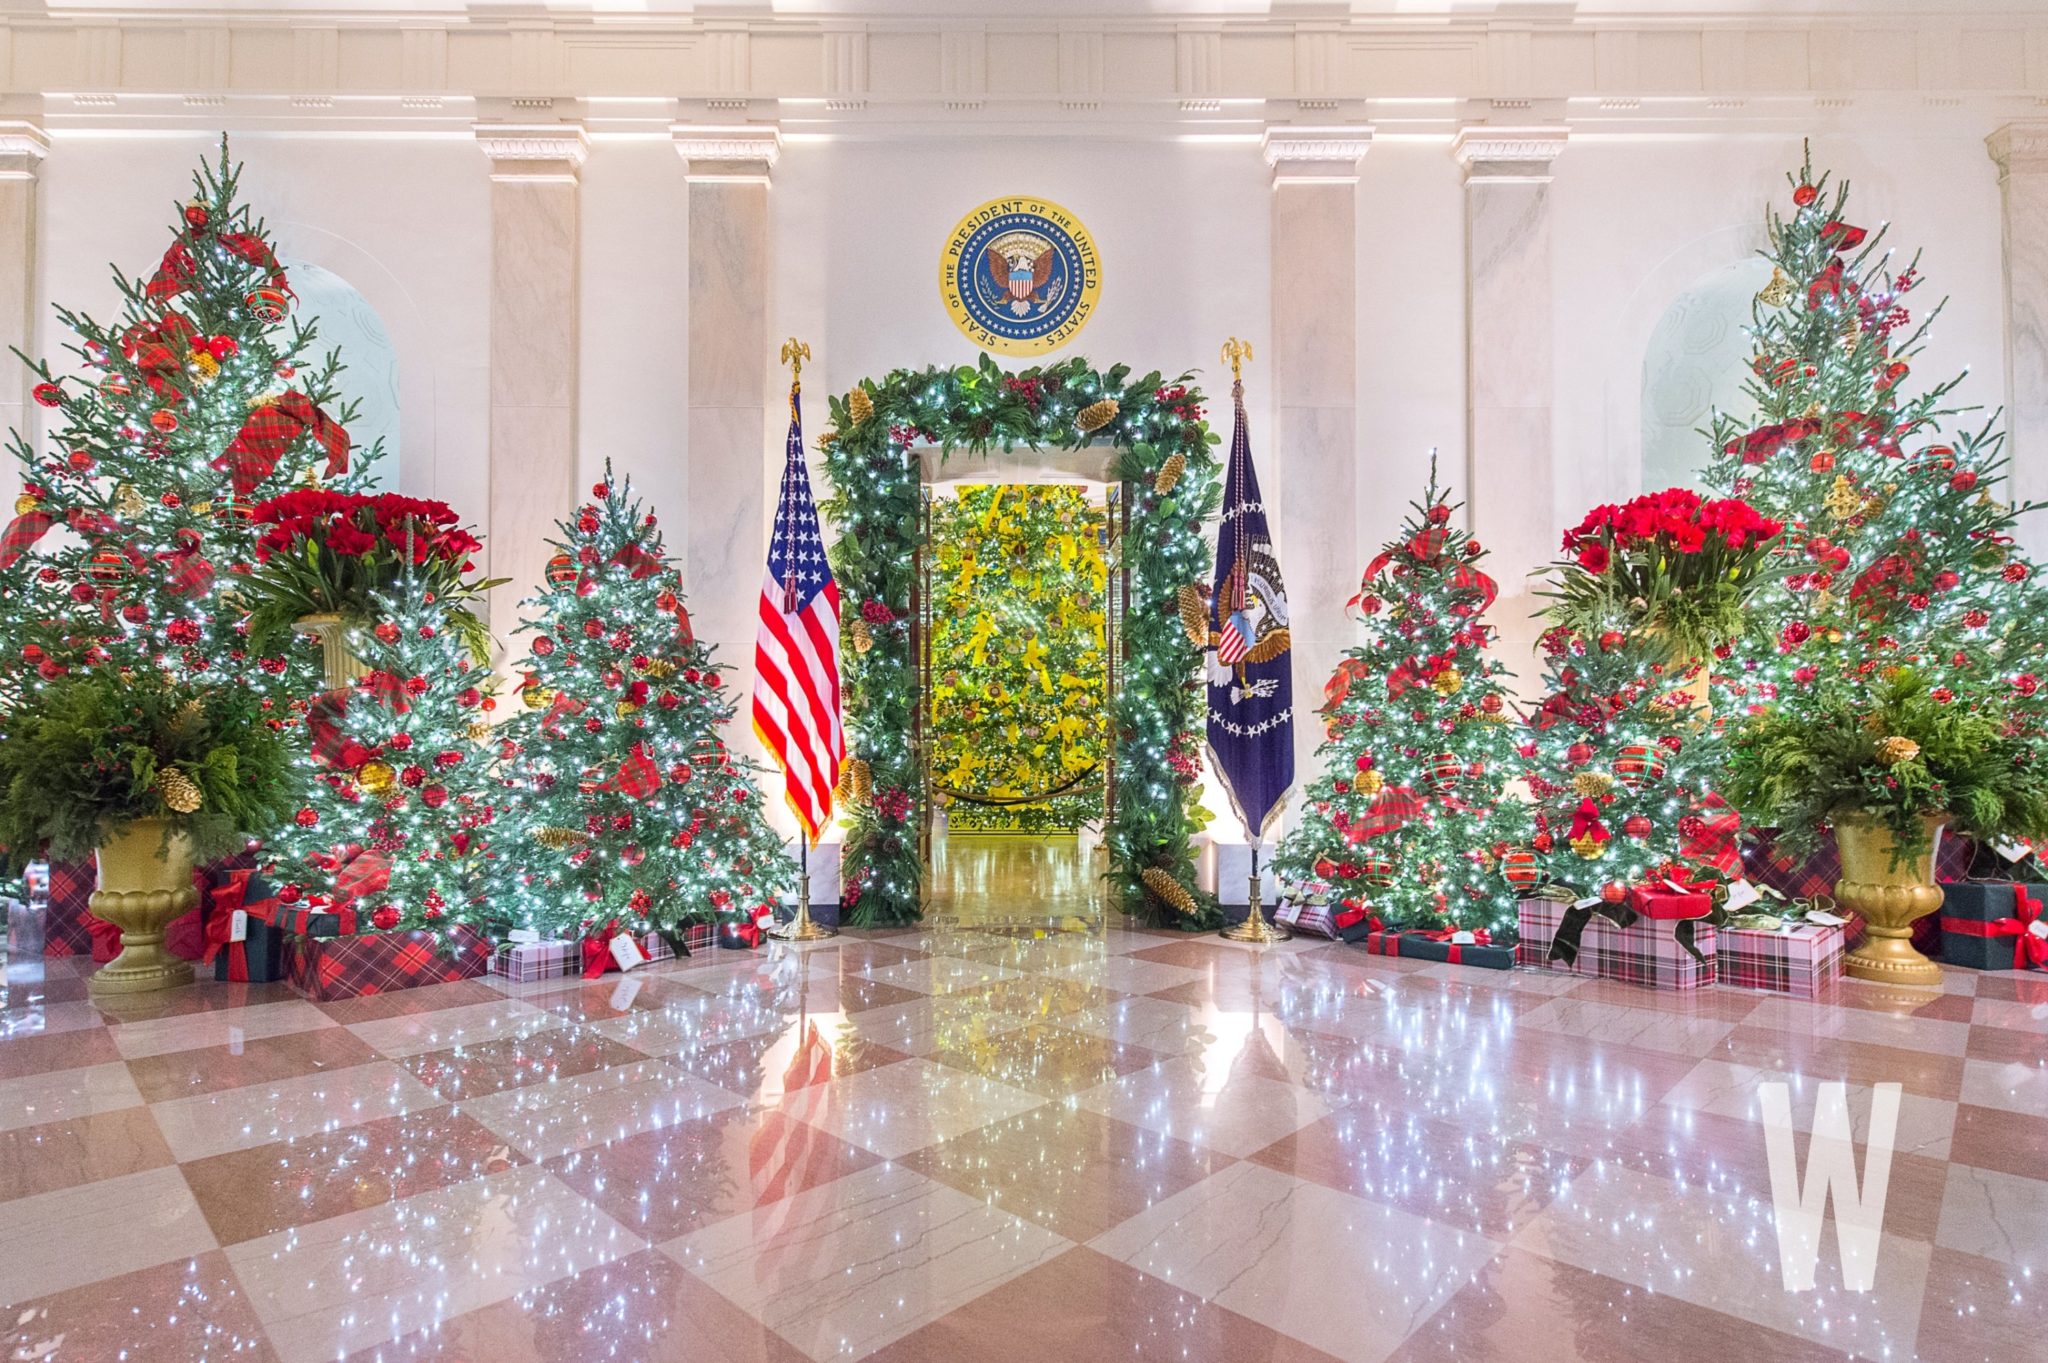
x,y
1020,276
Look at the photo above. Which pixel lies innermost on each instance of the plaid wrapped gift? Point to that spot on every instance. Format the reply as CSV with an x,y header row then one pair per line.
x,y
1801,959
64,927
327,968
695,937
525,962
1313,919
1994,927
656,947
1648,952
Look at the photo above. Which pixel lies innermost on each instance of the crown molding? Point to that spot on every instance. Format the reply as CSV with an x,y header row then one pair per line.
x,y
23,145
533,152
2019,148
1496,155
733,153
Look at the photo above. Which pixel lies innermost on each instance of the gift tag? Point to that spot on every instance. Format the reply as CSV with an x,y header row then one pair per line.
x,y
1741,894
1463,938
627,952
2039,927
522,935
238,926
2011,849
1825,919
628,990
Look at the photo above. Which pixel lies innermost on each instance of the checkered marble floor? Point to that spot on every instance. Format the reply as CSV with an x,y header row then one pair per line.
x,y
1004,1147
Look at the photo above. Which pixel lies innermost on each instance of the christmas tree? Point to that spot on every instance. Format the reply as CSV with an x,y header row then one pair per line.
x,y
1411,817
1898,551
1622,748
1019,596
629,804
200,402
399,827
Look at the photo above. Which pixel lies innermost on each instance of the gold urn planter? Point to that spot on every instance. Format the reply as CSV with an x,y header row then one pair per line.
x,y
1890,897
338,661
142,893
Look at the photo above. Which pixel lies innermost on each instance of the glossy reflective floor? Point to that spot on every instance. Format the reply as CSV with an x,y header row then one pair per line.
x,y
1002,881
1075,1147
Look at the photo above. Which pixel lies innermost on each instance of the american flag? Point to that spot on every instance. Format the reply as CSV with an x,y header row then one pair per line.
x,y
796,647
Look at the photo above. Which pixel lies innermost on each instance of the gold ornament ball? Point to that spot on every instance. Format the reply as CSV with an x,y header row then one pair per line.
x,y
1448,682
626,709
537,697
26,503
1589,848
376,777
1369,783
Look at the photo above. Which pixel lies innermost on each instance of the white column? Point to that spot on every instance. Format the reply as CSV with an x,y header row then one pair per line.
x,y
2021,151
534,347
1310,464
1510,476
22,149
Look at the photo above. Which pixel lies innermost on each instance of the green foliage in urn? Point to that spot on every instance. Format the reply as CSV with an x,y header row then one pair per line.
x,y
1895,749
89,754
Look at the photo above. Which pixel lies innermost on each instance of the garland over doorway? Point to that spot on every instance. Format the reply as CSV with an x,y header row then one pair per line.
x,y
1169,487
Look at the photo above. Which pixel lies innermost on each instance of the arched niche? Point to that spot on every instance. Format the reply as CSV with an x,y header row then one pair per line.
x,y
345,321
1694,362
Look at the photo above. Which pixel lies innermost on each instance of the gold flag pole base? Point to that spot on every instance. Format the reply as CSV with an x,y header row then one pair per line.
x,y
803,927
1255,929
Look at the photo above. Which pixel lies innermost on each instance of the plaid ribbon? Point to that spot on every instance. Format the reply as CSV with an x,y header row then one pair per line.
x,y
185,572
270,430
1715,839
323,725
563,706
637,561
1467,578
362,872
158,350
256,251
639,776
174,273
1390,810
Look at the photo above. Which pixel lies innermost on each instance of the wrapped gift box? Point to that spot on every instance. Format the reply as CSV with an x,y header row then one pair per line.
x,y
1668,903
64,917
1647,952
1991,926
656,947
1313,920
1797,958
525,962
377,962
1434,945
240,940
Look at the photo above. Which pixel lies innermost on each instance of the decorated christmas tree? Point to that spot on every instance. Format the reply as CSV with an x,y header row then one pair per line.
x,y
1410,818
1898,550
629,804
399,829
1623,749
1019,590
134,517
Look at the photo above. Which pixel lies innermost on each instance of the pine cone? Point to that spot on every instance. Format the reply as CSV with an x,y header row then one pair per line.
x,y
180,795
1169,473
1168,890
1096,415
863,636
559,838
1194,614
856,782
859,405
1896,749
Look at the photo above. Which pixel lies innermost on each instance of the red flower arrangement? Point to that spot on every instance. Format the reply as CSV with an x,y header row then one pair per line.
x,y
337,553
1670,565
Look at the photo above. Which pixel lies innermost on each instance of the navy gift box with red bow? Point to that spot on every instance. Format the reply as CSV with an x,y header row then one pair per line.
x,y
1454,946
241,941
1995,927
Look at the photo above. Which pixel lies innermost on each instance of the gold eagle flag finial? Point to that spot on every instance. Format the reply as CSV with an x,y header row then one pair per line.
x,y
794,353
1235,353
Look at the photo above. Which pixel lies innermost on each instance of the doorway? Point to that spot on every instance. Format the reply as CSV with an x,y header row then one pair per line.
x,y
1016,649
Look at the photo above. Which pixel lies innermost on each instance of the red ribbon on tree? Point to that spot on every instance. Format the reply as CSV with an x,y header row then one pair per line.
x,y
270,431
637,561
158,349
387,690
362,872
1337,689
1429,542
639,776
1586,822
1826,284
1837,235
185,572
563,706
2025,927
1711,836
23,531
174,273
1466,578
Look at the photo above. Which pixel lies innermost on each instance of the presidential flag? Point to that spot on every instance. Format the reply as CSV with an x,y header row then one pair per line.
x,y
1251,687
796,646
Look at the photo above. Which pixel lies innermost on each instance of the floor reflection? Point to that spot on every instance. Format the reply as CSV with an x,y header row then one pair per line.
x,y
1005,880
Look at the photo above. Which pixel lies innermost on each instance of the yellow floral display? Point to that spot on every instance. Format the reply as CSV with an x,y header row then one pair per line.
x,y
1019,594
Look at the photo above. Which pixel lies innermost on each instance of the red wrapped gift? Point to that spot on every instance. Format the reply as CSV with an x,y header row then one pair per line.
x,y
1668,902
378,962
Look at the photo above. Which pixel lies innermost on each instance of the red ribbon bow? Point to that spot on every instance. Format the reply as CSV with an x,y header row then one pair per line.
x,y
1586,822
597,951
2029,948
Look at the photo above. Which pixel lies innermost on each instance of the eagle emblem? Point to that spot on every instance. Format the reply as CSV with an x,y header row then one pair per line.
x,y
1019,276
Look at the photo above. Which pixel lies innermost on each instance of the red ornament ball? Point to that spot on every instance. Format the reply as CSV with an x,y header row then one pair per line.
x,y
307,818
543,646
1804,195
384,918
1579,754
434,796
1613,892
1636,826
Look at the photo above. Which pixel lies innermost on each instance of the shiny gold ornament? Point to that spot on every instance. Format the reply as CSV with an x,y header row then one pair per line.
x,y
1778,292
1194,614
859,405
863,636
376,777
1896,749
1369,783
1448,682
537,697
1169,473
1843,501
559,838
1591,785
180,795
205,366
1589,848
659,668
1096,415
625,709
128,502
1168,890
26,503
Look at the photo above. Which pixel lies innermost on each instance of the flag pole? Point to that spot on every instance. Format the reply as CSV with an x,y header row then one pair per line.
x,y
803,927
1254,929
